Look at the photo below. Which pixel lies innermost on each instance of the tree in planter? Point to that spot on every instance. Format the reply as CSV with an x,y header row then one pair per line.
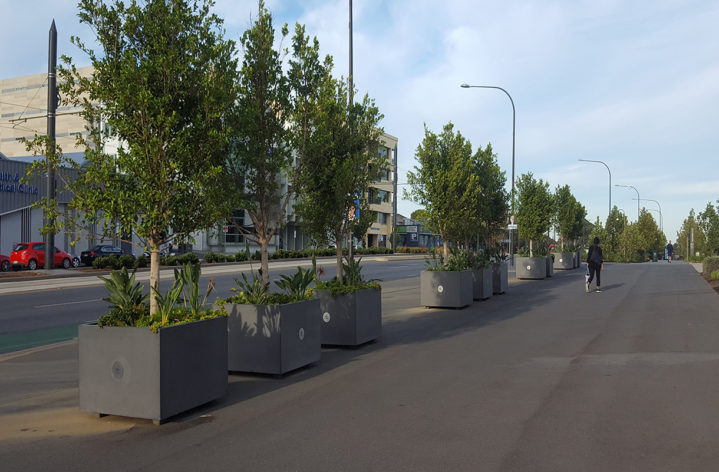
x,y
445,184
534,209
564,216
492,205
342,160
164,84
616,222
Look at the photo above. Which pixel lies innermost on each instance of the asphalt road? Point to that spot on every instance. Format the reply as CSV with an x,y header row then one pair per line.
x,y
30,319
542,378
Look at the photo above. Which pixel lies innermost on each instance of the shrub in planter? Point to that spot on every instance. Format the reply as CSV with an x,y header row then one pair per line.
x,y
153,367
446,285
351,309
127,261
272,333
482,283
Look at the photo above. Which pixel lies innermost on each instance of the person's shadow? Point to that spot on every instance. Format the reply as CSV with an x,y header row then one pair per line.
x,y
609,287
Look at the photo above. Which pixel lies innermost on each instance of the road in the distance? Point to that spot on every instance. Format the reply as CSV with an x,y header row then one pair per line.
x,y
37,318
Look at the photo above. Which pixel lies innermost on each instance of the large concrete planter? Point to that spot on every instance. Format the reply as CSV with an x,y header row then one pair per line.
x,y
564,260
446,289
550,266
350,319
273,339
482,283
137,373
500,277
531,267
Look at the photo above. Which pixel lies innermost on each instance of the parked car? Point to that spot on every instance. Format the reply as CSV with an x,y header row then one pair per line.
x,y
4,263
100,250
32,256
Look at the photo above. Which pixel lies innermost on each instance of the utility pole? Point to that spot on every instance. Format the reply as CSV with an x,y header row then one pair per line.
x,y
394,206
50,151
351,101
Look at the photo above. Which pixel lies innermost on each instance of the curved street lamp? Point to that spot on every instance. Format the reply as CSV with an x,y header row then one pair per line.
x,y
610,181
661,218
635,189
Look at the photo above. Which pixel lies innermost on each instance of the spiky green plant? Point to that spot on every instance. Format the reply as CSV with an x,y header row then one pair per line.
x,y
124,293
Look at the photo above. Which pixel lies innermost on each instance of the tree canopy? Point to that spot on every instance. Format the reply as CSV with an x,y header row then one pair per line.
x,y
534,208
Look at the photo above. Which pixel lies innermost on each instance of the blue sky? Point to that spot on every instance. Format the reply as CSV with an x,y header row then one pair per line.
x,y
632,83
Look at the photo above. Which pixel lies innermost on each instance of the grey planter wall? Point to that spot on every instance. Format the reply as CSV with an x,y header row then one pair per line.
x,y
482,283
135,372
564,260
550,266
531,267
500,277
446,289
350,319
579,258
273,339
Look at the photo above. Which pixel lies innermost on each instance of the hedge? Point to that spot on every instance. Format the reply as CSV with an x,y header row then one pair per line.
x,y
711,264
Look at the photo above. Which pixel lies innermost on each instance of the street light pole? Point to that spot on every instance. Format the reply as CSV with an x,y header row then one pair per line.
x,y
661,218
610,182
514,123
629,186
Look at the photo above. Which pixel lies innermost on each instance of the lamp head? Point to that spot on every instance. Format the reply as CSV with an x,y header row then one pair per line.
x,y
464,85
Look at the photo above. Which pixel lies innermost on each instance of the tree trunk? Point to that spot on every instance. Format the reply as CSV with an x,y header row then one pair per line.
x,y
154,274
264,260
339,260
445,250
531,254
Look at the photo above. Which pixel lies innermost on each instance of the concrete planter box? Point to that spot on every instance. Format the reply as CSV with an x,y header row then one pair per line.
x,y
446,289
273,339
482,283
350,319
500,277
137,373
531,267
550,266
564,260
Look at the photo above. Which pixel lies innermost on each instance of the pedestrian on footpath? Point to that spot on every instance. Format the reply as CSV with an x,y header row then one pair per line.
x,y
595,264
670,250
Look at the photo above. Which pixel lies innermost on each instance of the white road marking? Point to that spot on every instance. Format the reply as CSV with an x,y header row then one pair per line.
x,y
69,303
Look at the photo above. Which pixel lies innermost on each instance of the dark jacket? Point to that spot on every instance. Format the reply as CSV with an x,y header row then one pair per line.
x,y
594,256
670,249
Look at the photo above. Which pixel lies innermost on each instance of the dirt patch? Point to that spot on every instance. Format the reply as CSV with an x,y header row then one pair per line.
x,y
712,283
24,274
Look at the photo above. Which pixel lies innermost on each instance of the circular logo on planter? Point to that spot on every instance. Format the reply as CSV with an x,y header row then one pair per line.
x,y
440,289
302,334
560,260
118,371
326,317
529,267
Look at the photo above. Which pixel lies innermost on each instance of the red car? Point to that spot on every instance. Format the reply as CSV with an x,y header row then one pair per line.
x,y
32,256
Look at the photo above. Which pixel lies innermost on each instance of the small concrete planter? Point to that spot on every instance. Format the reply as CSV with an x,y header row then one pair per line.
x,y
482,283
446,289
550,266
350,319
564,260
273,339
531,267
500,277
137,373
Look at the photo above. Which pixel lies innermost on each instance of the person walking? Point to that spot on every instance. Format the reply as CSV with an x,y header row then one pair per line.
x,y
595,264
670,250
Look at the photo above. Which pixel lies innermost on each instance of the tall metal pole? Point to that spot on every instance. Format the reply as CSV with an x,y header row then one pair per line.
x,y
514,123
351,86
610,182
638,198
394,206
50,151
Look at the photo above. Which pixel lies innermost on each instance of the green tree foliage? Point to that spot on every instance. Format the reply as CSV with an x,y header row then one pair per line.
x,y
261,154
631,244
598,231
420,216
163,81
492,205
535,208
616,222
684,239
569,215
445,183
341,161
653,238
709,223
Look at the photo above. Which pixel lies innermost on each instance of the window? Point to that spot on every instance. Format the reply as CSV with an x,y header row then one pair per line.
x,y
384,175
383,152
382,218
233,234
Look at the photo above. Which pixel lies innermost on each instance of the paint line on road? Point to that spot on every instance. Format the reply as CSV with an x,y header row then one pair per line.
x,y
69,303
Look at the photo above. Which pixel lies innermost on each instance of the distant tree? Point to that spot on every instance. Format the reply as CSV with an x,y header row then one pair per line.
x,y
616,222
163,82
568,215
683,236
492,205
535,208
420,216
709,223
445,184
653,238
631,244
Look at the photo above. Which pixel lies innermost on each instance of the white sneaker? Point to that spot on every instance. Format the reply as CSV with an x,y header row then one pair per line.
x,y
586,287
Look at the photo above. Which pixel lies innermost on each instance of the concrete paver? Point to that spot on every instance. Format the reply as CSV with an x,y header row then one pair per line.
x,y
542,378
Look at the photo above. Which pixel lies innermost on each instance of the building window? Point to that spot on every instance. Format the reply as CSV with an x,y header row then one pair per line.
x,y
383,152
384,175
381,218
233,234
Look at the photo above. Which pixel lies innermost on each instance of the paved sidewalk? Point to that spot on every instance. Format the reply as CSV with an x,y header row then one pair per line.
x,y
542,378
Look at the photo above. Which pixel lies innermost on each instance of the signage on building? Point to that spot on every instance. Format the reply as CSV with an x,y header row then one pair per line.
x,y
11,183
411,229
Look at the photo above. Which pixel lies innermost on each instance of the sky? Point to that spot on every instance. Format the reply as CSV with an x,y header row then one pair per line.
x,y
632,83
